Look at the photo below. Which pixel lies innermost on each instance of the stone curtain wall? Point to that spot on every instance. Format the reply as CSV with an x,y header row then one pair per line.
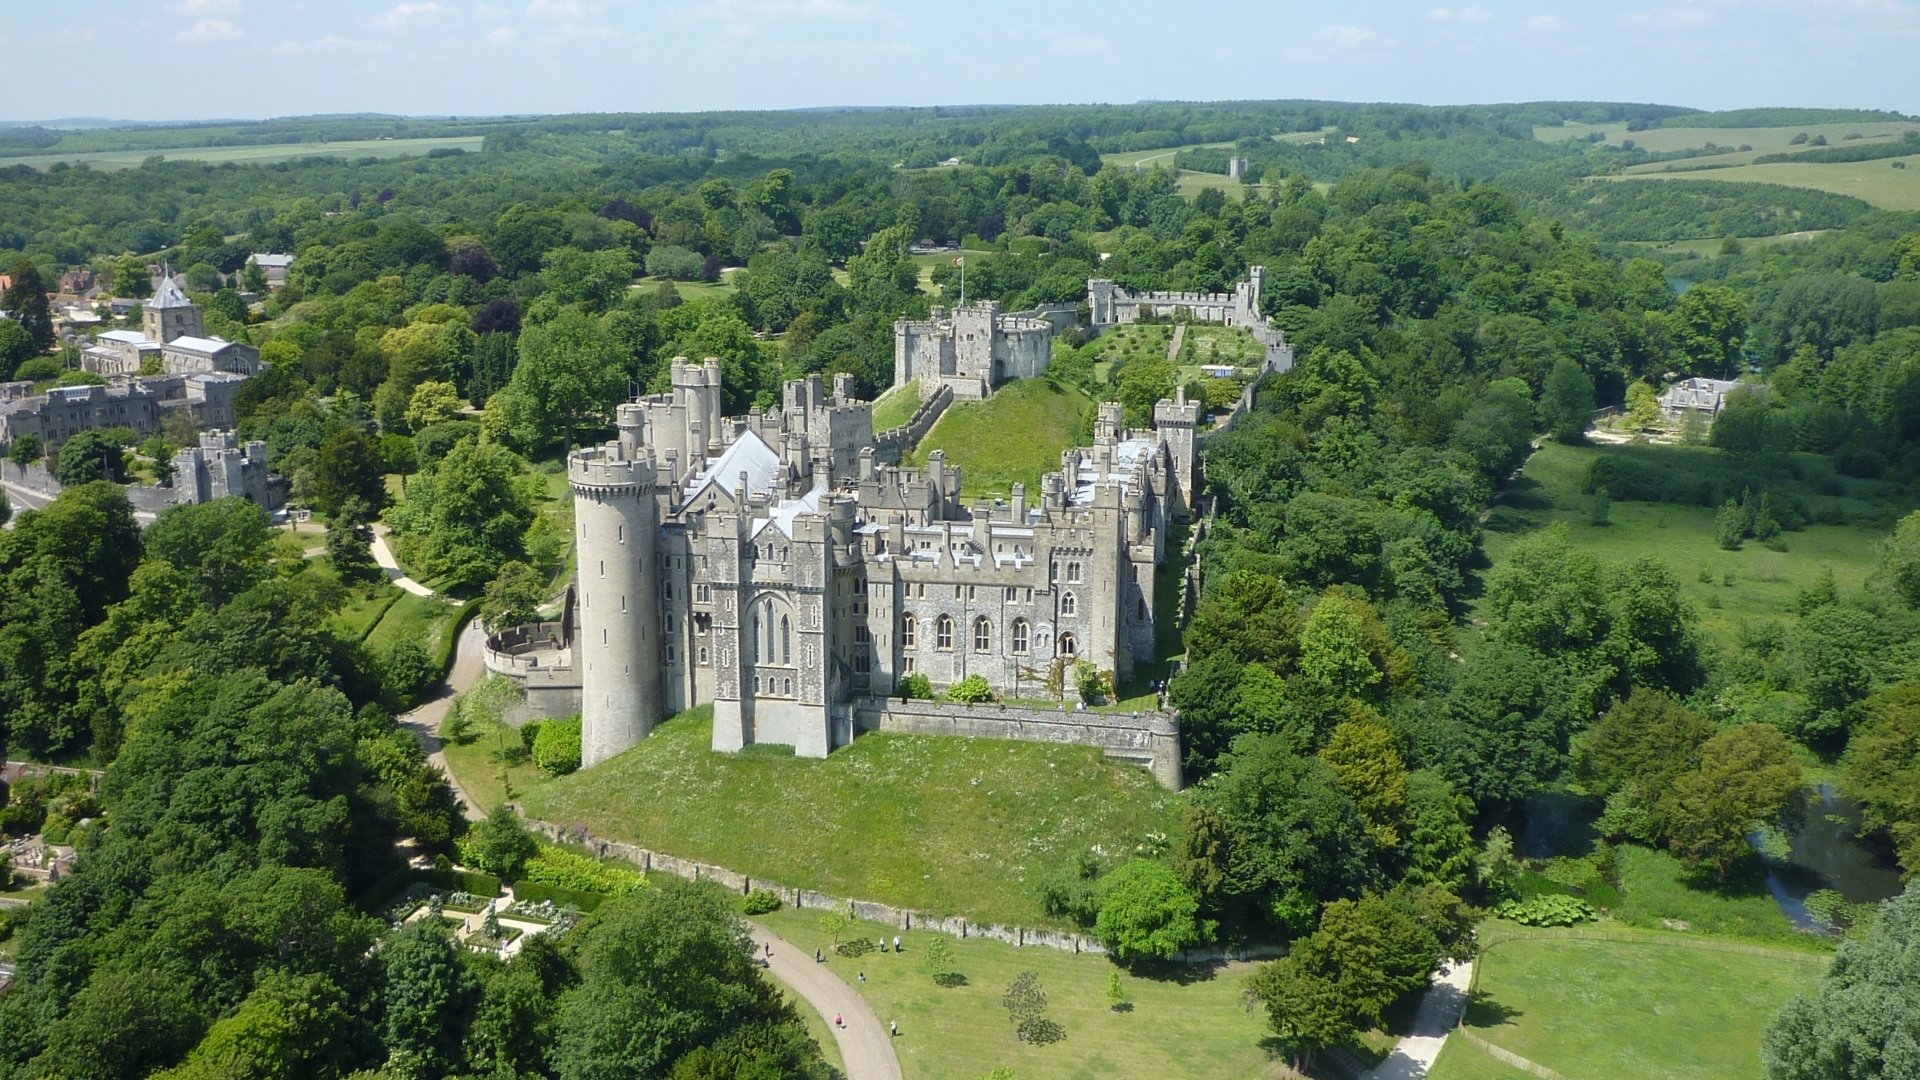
x,y
1151,739
886,915
890,444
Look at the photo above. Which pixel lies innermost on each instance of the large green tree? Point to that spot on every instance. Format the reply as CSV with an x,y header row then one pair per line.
x,y
570,375
1882,770
1748,776
25,302
467,516
1863,1023
1146,913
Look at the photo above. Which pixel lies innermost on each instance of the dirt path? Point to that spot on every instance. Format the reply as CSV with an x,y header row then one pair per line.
x,y
424,721
1439,1011
383,555
865,1044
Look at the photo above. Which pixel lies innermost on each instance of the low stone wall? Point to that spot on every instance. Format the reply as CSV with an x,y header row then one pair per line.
x,y
884,914
1149,739
890,444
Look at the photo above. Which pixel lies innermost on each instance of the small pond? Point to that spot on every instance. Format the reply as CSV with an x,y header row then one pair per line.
x,y
1826,853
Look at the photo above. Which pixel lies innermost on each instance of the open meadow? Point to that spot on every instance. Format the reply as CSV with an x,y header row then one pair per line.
x,y
1189,1026
1887,183
254,155
936,824
1015,435
1726,588
1599,1004
1764,140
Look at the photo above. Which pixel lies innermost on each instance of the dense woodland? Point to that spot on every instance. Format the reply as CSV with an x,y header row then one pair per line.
x,y
1359,743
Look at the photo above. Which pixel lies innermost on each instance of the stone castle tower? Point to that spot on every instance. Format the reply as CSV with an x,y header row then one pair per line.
x,y
618,648
168,314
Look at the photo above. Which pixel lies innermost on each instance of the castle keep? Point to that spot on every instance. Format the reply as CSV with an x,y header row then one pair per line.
x,y
771,565
1109,305
973,349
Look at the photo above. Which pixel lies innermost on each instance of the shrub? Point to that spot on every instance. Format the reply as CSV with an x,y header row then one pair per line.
x,y
556,750
760,902
500,844
564,869
1551,909
972,690
1094,685
1040,1031
854,947
915,687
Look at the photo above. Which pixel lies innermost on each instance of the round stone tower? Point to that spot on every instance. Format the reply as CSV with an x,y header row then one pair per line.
x,y
618,649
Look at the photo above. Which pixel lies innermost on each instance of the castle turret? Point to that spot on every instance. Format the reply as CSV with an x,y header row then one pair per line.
x,y
1175,421
618,649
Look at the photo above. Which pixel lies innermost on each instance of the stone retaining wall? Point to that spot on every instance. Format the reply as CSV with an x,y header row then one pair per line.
x,y
890,444
1149,739
884,914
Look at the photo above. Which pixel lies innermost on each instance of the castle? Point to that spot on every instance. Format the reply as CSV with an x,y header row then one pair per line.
x,y
1109,305
971,350
771,565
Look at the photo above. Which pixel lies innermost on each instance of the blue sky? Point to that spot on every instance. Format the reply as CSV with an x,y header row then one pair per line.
x,y
249,58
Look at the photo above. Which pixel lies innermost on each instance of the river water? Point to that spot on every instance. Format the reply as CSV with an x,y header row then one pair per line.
x,y
1827,853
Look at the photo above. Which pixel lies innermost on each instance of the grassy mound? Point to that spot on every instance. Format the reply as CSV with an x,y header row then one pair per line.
x,y
896,406
1015,435
1643,1005
936,824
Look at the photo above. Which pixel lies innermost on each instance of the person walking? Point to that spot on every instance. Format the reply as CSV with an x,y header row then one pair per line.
x,y
837,1022
896,943
893,1028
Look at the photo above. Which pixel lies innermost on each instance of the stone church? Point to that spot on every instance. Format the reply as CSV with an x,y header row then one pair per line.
x,y
771,565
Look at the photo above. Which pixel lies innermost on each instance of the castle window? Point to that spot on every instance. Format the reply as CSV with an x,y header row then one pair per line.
x,y
703,656
969,592
1029,596
1068,647
787,687
1020,636
620,533
956,592
909,632
906,666
1068,606
1073,571
982,635
703,594
603,568
623,602
862,662
943,632
786,641
1012,594
756,684
861,636
669,654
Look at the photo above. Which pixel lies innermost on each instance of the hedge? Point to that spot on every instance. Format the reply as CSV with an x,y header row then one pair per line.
x,y
533,892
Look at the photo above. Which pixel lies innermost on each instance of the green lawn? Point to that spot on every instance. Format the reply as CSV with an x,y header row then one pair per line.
x,y
1015,435
1163,157
1460,1061
424,619
935,824
256,155
927,262
1655,892
1177,1029
896,406
1641,1006
1220,345
1709,246
1765,582
365,608
1878,183
692,290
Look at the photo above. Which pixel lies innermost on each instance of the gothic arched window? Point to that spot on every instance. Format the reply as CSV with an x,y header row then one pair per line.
x,y
1068,606
909,631
1068,647
1020,636
786,640
943,632
982,635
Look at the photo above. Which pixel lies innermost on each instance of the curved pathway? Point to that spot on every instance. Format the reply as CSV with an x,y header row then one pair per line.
x,y
424,721
865,1045
383,555
1439,1011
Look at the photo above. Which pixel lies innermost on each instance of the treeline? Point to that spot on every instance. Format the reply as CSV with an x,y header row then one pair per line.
x,y
1631,209
1908,143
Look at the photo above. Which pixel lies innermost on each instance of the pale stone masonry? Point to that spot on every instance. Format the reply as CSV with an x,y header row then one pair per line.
x,y
971,349
1109,305
771,565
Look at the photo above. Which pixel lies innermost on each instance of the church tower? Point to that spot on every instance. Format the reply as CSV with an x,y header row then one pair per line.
x,y
618,649
168,314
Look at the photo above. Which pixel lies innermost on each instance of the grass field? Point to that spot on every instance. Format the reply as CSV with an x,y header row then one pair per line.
x,y
1709,246
1163,157
693,290
1877,183
365,608
1015,435
896,406
1764,140
424,619
1176,1029
1460,1061
1643,1006
1765,582
255,155
926,263
936,824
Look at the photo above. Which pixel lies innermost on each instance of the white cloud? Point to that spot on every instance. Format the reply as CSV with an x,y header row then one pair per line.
x,y
1544,23
209,32
1346,35
406,14
1080,45
490,12
501,35
743,17
556,9
191,6
1459,15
